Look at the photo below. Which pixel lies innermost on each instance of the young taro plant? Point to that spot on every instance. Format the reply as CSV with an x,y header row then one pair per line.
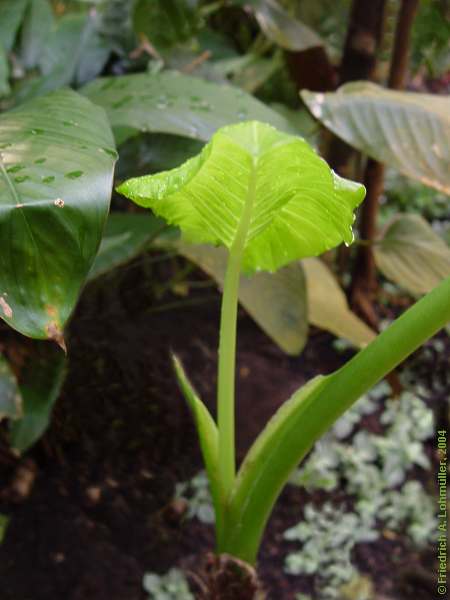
x,y
270,200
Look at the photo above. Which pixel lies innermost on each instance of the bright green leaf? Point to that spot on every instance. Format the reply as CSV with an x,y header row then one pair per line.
x,y
281,28
274,454
10,397
412,255
57,159
335,315
276,301
252,178
42,382
170,102
407,131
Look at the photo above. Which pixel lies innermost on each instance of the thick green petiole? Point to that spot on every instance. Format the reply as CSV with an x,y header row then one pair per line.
x,y
311,412
227,348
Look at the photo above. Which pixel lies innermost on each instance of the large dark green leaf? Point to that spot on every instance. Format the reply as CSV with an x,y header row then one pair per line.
x,y
411,254
407,131
74,52
56,168
169,102
67,45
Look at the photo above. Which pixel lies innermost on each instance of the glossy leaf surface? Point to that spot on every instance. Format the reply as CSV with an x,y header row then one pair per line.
x,y
412,255
170,102
405,130
269,186
56,165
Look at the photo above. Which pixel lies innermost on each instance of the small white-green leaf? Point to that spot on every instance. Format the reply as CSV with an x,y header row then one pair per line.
x,y
282,28
328,308
412,255
407,131
270,187
170,102
276,301
10,397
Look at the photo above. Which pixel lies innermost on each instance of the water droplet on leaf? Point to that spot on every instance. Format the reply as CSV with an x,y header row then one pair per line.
x,y
15,168
122,101
73,174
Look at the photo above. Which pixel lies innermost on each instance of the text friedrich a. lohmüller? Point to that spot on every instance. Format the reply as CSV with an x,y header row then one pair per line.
x,y
442,516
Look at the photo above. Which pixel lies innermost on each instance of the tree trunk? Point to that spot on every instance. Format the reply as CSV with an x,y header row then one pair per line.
x,y
359,60
364,281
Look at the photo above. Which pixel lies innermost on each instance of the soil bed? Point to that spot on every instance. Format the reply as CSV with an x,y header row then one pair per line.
x,y
98,512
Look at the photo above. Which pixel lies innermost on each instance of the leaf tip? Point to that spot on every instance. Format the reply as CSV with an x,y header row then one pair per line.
x,y
54,334
5,308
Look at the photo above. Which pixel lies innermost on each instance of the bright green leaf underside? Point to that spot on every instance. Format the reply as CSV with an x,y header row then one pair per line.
x,y
299,207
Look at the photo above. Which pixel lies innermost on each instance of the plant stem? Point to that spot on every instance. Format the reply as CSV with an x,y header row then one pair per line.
x,y
227,348
290,435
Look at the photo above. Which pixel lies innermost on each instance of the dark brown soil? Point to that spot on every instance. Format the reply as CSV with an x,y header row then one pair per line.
x,y
98,513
